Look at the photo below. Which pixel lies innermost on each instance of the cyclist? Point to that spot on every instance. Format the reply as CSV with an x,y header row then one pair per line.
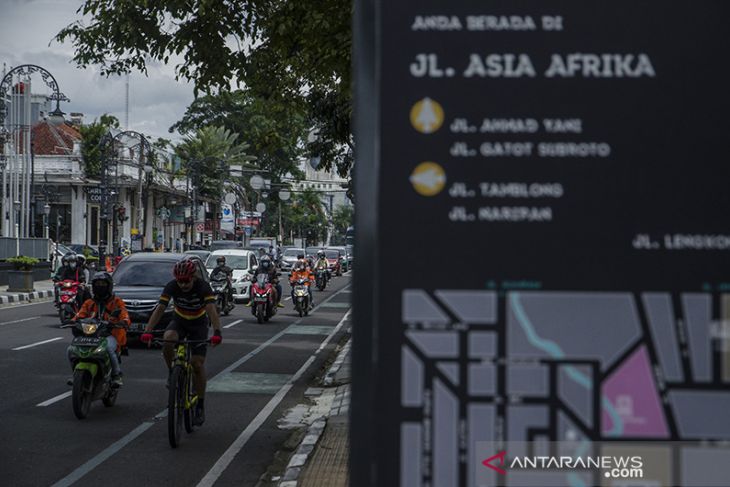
x,y
194,299
115,312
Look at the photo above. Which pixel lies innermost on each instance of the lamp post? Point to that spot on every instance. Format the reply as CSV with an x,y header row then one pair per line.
x,y
46,213
147,171
16,209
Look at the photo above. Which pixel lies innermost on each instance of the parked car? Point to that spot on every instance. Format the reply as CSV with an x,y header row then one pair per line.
x,y
240,260
289,258
139,280
203,254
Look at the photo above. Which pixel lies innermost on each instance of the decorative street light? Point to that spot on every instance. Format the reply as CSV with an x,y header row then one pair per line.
x,y
46,214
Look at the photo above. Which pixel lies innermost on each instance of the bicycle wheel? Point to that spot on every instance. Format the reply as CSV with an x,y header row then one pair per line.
x,y
175,405
189,413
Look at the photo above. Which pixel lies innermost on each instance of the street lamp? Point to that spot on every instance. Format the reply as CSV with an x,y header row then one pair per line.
x,y
16,208
46,213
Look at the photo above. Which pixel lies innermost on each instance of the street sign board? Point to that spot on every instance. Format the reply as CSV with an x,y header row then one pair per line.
x,y
93,194
576,172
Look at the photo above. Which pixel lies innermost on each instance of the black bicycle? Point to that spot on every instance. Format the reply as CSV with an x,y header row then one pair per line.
x,y
181,400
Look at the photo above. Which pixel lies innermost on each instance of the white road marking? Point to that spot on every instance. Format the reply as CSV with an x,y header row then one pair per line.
x,y
38,343
115,447
220,466
87,467
18,321
287,298
234,323
54,399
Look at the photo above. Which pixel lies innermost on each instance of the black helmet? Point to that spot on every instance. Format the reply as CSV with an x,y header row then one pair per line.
x,y
300,256
221,259
102,286
265,263
81,259
69,259
320,254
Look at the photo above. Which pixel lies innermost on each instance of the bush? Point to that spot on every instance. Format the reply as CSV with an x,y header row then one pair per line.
x,y
23,263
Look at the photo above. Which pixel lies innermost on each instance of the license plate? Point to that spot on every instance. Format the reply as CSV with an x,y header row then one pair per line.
x,y
87,341
137,326
260,300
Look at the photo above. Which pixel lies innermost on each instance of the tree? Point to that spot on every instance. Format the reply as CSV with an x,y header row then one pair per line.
x,y
342,219
274,130
288,51
210,152
91,135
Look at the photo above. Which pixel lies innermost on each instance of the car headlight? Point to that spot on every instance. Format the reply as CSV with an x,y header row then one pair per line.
x,y
89,328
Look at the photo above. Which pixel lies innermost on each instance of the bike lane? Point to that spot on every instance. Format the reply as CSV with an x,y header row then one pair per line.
x,y
132,434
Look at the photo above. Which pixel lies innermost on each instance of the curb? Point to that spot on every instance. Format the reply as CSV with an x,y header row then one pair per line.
x,y
339,405
300,457
329,378
22,297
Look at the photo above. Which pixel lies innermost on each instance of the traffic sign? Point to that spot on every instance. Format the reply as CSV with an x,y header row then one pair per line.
x,y
261,207
230,198
257,182
200,227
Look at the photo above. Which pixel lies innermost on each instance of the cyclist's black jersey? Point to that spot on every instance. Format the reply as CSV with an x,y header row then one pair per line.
x,y
189,305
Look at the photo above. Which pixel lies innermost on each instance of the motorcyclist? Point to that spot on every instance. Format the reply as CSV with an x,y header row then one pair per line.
x,y
267,267
322,263
70,270
222,268
82,264
114,311
302,271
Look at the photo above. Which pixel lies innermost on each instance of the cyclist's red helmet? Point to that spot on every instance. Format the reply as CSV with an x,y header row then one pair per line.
x,y
184,270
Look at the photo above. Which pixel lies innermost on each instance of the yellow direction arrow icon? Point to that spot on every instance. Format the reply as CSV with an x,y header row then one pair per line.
x,y
428,179
427,116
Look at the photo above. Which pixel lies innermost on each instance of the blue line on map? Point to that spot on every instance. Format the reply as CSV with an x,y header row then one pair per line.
x,y
552,349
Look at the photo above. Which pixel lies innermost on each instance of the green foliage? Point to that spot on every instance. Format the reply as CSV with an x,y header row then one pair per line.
x,y
294,53
274,130
23,263
210,152
91,135
302,215
344,217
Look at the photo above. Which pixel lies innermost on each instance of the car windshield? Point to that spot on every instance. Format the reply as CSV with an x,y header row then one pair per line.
x,y
293,252
235,262
143,273
332,254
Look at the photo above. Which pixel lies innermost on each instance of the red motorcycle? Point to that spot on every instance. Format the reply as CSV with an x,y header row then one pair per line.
x,y
68,302
262,295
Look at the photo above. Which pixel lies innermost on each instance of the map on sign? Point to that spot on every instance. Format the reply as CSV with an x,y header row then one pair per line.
x,y
656,367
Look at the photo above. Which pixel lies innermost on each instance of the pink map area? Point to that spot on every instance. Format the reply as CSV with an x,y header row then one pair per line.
x,y
632,392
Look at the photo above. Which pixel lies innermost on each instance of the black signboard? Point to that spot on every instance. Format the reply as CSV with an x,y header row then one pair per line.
x,y
546,238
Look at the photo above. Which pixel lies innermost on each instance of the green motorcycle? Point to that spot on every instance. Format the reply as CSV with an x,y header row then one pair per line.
x,y
92,368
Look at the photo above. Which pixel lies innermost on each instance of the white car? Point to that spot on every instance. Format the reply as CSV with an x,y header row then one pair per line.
x,y
240,261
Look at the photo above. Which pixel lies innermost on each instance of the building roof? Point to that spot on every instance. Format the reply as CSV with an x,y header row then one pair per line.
x,y
49,139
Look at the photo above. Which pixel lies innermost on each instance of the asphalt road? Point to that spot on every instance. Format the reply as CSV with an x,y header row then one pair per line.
x,y
264,369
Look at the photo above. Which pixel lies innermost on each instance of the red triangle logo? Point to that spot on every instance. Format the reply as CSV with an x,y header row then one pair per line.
x,y
500,456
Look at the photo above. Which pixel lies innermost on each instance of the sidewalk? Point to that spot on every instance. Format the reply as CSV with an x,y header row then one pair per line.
x,y
323,455
42,290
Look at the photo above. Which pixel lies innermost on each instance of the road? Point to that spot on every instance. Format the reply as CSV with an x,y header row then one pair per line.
x,y
263,368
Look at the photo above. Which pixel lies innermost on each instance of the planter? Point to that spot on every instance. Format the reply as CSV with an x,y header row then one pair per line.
x,y
20,281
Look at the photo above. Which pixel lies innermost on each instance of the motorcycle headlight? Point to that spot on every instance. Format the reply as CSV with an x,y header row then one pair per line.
x,y
66,284
89,328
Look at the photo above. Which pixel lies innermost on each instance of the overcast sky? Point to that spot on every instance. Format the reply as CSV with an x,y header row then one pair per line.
x,y
156,101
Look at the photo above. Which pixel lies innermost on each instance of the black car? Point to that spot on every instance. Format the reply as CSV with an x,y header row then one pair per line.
x,y
139,280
